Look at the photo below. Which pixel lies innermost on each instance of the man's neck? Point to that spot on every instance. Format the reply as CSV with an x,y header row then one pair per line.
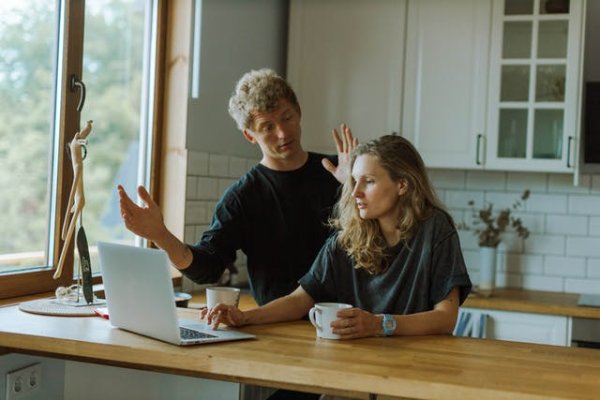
x,y
286,164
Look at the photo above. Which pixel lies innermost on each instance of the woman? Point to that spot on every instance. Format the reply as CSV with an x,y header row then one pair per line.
x,y
395,256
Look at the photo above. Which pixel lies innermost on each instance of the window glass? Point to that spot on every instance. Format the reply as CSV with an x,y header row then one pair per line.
x,y
27,64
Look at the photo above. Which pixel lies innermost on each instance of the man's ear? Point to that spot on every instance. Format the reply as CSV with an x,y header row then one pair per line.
x,y
248,136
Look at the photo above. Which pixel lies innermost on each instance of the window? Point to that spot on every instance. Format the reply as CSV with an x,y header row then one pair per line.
x,y
111,45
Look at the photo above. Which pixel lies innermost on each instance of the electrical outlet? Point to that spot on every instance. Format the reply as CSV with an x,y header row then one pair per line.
x,y
23,381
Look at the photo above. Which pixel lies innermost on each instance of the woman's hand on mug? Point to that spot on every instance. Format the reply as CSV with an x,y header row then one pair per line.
x,y
223,314
353,323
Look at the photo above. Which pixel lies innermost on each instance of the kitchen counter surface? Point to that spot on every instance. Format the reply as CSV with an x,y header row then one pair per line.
x,y
288,355
532,301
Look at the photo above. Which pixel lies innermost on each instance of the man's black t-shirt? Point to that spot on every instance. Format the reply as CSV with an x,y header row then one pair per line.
x,y
277,218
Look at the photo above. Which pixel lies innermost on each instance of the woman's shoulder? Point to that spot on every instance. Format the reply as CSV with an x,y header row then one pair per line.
x,y
438,224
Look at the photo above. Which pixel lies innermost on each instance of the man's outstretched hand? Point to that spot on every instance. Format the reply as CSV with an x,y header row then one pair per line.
x,y
345,143
145,221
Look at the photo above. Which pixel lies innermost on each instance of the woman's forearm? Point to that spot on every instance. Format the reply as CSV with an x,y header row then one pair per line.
x,y
287,308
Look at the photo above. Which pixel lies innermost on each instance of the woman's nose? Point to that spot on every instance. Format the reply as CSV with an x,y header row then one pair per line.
x,y
357,192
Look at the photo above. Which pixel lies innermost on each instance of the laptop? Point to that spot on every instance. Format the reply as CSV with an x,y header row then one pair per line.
x,y
140,297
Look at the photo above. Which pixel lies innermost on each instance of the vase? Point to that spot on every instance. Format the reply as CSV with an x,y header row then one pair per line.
x,y
487,270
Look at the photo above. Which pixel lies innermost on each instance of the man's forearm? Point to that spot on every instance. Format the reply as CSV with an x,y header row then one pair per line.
x,y
179,253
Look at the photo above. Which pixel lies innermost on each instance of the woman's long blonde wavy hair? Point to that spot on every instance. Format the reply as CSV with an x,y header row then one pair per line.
x,y
362,239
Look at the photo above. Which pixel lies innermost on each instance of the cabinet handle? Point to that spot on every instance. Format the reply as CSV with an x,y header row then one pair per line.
x,y
569,152
477,151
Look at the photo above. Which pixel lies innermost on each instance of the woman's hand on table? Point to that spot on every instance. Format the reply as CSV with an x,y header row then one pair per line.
x,y
223,314
354,323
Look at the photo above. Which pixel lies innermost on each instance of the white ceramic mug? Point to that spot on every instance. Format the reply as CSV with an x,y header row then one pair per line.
x,y
222,295
322,315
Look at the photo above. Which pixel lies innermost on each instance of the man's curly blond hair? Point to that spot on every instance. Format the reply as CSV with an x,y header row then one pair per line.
x,y
258,91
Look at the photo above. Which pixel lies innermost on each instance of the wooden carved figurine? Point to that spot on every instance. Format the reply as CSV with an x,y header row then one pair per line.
x,y
76,197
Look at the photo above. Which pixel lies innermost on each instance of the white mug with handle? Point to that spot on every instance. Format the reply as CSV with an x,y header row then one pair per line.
x,y
322,315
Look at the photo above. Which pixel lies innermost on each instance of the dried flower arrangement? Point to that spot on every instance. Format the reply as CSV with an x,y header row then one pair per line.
x,y
489,228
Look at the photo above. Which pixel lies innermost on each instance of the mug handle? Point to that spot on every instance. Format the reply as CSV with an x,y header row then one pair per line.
x,y
313,319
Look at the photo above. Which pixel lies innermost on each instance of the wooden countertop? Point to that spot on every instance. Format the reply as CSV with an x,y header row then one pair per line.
x,y
288,355
532,301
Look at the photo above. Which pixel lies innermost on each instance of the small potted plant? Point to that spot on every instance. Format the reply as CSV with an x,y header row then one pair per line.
x,y
489,228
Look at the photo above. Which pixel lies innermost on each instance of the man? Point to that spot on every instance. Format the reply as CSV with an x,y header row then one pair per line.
x,y
276,213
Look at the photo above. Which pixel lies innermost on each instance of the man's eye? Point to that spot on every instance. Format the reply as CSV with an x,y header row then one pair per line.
x,y
370,181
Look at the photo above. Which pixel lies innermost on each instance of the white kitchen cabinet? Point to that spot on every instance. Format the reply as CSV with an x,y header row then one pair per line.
x,y
535,85
446,76
526,327
345,62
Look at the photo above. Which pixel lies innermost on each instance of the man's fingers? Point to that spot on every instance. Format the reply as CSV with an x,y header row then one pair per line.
x,y
337,139
328,165
145,196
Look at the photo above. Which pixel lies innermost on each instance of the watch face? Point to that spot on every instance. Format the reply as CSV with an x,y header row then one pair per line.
x,y
389,324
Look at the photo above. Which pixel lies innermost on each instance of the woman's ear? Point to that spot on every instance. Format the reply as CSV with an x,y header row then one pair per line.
x,y
402,187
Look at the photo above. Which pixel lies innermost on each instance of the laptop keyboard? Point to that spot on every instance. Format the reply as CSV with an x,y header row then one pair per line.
x,y
192,334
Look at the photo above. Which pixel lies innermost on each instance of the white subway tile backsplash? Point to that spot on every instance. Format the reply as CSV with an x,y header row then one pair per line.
x,y
547,203
546,283
545,244
524,264
189,234
594,226
563,183
450,179
208,188
218,165
197,163
225,183
486,180
520,181
593,268
588,285
461,199
565,266
509,280
583,246
566,225
536,223
195,213
501,200
589,205
237,167
190,187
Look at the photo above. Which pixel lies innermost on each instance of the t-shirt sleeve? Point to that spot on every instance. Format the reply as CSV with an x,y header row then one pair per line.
x,y
319,281
449,269
217,248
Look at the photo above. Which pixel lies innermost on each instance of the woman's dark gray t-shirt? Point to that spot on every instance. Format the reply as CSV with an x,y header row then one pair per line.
x,y
423,271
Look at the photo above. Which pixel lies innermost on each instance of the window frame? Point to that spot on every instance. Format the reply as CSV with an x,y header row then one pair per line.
x,y
67,118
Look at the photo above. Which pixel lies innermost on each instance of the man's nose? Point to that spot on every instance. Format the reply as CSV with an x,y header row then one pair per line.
x,y
280,131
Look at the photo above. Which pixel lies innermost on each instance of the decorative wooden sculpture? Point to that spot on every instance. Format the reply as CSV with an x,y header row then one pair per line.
x,y
74,209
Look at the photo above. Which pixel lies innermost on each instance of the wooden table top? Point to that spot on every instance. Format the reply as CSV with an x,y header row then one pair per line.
x,y
288,355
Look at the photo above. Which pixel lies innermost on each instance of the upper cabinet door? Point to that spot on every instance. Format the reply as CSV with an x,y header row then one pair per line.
x,y
447,50
345,62
535,80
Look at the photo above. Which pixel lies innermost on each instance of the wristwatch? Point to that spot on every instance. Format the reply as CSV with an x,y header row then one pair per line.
x,y
388,324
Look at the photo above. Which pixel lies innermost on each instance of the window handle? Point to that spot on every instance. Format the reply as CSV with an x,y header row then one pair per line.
x,y
78,83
